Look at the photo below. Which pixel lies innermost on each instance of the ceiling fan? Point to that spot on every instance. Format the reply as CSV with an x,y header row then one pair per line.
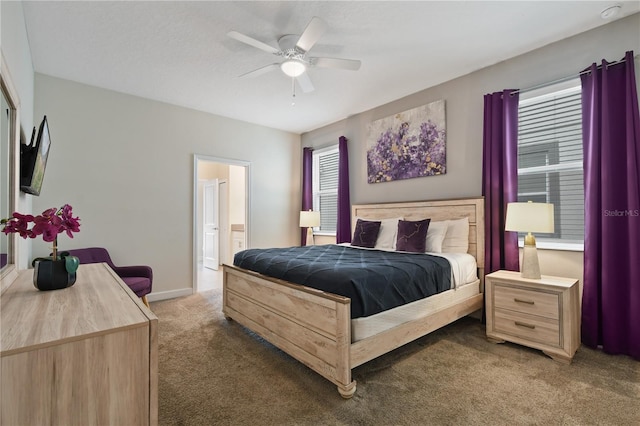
x,y
293,49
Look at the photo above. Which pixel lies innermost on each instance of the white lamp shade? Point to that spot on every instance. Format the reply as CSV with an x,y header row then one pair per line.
x,y
529,217
309,219
293,68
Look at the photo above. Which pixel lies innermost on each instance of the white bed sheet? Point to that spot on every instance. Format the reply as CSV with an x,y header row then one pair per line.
x,y
464,269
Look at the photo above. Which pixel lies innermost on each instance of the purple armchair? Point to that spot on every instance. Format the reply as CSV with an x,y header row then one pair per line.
x,y
138,278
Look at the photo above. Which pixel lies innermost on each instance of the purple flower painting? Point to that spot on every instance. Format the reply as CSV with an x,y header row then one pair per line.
x,y
408,145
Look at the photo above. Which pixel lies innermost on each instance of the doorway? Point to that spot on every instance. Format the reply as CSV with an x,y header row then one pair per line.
x,y
215,198
220,205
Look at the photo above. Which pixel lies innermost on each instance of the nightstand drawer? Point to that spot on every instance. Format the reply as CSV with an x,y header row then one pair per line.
x,y
541,303
529,327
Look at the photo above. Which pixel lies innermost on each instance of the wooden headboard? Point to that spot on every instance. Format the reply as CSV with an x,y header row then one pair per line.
x,y
473,208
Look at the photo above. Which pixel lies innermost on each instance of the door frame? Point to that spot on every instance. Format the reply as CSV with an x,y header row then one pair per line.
x,y
247,216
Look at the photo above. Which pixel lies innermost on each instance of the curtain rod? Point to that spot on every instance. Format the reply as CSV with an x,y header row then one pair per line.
x,y
568,77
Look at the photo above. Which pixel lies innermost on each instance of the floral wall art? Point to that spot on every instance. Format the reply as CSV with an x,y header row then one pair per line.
x,y
408,145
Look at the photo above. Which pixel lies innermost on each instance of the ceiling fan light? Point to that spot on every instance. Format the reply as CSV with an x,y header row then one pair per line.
x,y
293,68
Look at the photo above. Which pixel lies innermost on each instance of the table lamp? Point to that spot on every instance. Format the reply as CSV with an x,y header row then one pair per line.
x,y
309,219
530,217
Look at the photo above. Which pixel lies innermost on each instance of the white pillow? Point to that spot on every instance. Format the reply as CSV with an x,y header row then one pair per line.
x,y
456,240
435,236
387,234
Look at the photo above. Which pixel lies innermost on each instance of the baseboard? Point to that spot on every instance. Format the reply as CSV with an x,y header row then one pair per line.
x,y
172,294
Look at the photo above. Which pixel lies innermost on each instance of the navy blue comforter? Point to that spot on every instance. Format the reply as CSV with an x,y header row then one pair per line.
x,y
374,280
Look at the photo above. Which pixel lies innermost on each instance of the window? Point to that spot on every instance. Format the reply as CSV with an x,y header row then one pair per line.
x,y
325,188
550,158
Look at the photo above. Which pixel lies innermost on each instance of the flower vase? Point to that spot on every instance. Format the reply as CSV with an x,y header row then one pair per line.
x,y
53,273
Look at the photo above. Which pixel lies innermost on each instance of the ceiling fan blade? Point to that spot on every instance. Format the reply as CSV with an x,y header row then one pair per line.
x,y
260,71
252,42
305,83
343,64
311,34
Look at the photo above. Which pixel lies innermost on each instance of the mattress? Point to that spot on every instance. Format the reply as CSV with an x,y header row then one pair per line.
x,y
465,284
364,327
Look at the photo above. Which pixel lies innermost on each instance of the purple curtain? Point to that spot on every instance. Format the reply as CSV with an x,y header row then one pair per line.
x,y
611,139
500,178
343,227
307,188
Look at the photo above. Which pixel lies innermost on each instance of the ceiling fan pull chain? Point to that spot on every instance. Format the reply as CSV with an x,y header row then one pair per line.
x,y
293,89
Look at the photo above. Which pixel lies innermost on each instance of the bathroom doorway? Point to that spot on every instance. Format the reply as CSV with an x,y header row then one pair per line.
x,y
220,205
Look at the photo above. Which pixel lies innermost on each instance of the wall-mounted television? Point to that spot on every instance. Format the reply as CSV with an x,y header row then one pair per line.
x,y
33,159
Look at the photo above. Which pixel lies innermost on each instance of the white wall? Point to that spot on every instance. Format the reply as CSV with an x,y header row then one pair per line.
x,y
125,164
15,49
464,116
237,195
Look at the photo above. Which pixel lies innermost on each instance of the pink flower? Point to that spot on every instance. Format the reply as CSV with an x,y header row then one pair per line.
x,y
48,231
48,224
18,223
49,212
69,223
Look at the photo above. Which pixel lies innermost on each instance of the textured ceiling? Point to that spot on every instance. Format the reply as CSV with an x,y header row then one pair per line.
x,y
178,52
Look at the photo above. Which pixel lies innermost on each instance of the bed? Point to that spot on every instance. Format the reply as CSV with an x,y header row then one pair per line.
x,y
315,327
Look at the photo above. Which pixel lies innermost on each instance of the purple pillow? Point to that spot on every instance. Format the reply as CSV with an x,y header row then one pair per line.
x,y
366,233
412,235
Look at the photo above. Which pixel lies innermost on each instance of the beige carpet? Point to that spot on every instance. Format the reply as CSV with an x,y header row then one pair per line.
x,y
214,372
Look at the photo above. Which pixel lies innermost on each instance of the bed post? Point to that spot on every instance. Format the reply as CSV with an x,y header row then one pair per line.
x,y
346,386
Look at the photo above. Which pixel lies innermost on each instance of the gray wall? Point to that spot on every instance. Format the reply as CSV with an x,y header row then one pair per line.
x,y
101,137
125,164
464,115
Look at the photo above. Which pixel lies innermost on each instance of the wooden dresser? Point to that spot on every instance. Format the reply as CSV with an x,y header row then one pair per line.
x,y
542,314
84,355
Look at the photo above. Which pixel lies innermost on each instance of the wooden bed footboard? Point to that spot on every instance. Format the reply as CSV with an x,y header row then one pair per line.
x,y
312,326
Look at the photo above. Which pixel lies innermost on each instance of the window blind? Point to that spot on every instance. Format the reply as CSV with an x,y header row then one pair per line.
x,y
325,188
550,159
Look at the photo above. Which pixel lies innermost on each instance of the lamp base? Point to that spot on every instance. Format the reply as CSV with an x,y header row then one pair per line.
x,y
310,241
530,266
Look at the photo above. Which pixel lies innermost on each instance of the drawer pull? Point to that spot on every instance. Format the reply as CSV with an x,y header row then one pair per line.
x,y
521,324
528,302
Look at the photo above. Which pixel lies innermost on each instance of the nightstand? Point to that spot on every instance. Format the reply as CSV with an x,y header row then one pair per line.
x,y
542,314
